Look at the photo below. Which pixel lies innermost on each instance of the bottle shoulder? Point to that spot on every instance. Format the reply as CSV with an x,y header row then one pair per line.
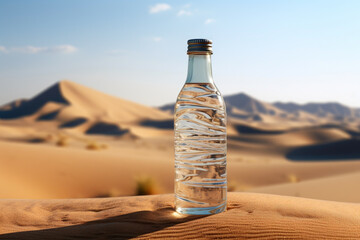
x,y
200,94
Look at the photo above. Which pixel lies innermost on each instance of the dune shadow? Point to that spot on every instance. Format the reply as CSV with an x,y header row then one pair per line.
x,y
120,227
233,140
73,123
102,128
252,130
348,149
162,124
36,140
168,107
48,116
237,115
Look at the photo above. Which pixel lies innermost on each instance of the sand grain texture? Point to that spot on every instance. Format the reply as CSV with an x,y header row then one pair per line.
x,y
249,215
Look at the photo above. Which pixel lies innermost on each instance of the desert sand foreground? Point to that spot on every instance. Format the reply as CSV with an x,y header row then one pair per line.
x,y
249,215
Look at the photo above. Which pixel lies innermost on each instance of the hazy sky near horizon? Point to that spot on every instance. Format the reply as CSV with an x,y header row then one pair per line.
x,y
298,51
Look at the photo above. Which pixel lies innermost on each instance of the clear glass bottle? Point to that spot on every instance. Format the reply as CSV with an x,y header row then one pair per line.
x,y
200,138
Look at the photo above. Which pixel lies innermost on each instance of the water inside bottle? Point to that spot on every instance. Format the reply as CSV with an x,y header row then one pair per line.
x,y
200,150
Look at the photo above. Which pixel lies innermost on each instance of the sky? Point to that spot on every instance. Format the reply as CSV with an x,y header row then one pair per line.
x,y
291,51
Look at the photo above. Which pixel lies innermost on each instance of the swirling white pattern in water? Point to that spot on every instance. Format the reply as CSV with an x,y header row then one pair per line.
x,y
200,150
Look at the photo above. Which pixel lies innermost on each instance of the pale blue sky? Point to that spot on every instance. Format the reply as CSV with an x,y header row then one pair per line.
x,y
301,51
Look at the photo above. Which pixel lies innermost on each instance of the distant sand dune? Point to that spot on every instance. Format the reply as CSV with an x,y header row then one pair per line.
x,y
242,107
319,109
74,101
97,105
246,103
290,137
70,108
29,107
345,186
339,150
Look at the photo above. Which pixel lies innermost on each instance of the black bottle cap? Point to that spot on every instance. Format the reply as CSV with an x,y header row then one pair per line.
x,y
199,46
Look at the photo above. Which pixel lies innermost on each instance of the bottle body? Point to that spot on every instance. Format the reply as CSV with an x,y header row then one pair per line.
x,y
200,143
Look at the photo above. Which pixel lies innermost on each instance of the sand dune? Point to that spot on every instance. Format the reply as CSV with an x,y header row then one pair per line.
x,y
76,100
343,187
105,107
319,109
28,107
247,109
73,106
249,215
284,141
249,104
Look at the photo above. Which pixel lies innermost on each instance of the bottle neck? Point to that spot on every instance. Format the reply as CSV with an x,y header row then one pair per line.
x,y
199,69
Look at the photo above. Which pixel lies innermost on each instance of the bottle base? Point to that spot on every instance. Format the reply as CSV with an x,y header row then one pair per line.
x,y
202,211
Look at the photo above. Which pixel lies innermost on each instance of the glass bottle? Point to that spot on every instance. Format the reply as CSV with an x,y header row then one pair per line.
x,y
200,138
